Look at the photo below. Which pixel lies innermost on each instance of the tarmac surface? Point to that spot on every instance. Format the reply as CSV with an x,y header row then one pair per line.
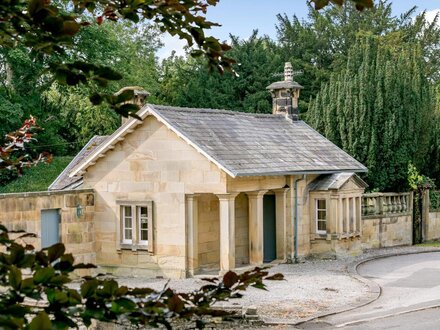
x,y
410,296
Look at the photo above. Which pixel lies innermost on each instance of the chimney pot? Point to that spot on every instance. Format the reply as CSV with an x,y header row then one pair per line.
x,y
140,98
285,94
288,72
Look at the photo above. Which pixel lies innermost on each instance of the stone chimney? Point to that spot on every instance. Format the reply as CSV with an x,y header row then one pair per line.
x,y
285,95
140,98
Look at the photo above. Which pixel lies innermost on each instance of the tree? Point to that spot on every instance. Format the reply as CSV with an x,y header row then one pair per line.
x,y
16,152
379,109
186,83
36,292
360,4
320,44
49,30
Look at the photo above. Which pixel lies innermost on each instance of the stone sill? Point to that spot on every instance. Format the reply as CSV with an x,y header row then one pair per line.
x,y
133,248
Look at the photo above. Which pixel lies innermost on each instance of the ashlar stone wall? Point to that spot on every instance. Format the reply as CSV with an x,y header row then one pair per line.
x,y
386,220
150,164
22,211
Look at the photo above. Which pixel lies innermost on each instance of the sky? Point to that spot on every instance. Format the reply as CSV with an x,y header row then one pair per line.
x,y
241,17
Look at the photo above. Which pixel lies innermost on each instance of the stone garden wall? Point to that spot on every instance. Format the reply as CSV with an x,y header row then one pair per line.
x,y
386,220
22,211
432,228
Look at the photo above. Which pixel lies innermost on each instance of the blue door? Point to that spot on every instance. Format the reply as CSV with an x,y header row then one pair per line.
x,y
50,227
269,235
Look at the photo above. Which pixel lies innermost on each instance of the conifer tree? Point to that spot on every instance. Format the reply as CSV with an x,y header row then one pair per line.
x,y
379,109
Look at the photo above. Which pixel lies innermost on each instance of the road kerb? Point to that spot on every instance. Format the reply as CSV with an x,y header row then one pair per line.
x,y
374,289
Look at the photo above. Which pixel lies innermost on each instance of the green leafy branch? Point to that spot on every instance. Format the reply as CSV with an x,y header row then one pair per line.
x,y
36,293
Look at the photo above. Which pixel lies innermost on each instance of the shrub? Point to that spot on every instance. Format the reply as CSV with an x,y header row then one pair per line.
x,y
35,292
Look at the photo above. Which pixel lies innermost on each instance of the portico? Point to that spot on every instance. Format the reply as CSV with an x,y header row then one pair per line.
x,y
226,231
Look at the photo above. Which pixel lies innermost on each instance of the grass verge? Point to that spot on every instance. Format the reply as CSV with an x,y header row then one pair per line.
x,y
37,178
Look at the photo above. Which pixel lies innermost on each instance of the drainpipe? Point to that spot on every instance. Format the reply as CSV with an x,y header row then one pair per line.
x,y
295,218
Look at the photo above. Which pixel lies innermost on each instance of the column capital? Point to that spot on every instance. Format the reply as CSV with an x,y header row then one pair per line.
x,y
191,196
256,194
280,191
227,196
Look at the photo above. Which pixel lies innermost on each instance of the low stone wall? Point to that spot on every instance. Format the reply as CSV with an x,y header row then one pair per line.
x,y
433,226
386,220
22,211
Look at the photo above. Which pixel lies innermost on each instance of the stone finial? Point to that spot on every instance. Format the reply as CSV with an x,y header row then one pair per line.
x,y
288,72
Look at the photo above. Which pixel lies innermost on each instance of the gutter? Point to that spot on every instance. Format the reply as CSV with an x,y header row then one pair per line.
x,y
295,219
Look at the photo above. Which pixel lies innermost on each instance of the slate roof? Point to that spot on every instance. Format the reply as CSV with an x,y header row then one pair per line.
x,y
247,144
63,181
241,144
335,181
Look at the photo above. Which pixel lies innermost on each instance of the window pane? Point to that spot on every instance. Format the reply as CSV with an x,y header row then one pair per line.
x,y
127,211
144,235
322,215
321,204
322,225
144,212
128,234
128,223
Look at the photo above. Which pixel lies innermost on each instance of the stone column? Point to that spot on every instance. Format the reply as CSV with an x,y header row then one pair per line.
x,y
256,226
281,222
340,229
227,231
192,235
347,215
332,217
359,214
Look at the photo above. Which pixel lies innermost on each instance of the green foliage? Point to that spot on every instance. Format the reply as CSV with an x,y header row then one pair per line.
x,y
37,178
416,181
17,151
36,295
434,198
360,4
185,83
50,29
379,109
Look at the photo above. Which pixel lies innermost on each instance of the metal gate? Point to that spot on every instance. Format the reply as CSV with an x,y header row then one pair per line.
x,y
50,227
418,217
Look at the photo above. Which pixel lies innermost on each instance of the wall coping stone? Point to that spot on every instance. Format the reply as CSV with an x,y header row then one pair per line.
x,y
46,193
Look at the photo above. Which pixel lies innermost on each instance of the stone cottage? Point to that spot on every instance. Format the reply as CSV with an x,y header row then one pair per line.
x,y
185,191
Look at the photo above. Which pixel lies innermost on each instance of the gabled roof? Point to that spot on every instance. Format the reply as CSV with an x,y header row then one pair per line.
x,y
335,181
242,144
64,181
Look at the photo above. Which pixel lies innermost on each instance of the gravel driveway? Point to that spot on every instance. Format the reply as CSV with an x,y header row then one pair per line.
x,y
311,288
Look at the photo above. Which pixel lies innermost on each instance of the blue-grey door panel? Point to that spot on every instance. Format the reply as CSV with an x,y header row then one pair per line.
x,y
269,228
50,227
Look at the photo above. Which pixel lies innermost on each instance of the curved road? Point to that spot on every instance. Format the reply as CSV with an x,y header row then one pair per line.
x,y
409,300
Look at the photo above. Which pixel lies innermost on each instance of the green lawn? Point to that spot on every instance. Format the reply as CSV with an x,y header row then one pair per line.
x,y
38,178
430,244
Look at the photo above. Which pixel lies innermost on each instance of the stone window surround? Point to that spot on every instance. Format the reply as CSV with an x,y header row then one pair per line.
x,y
136,243
336,227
